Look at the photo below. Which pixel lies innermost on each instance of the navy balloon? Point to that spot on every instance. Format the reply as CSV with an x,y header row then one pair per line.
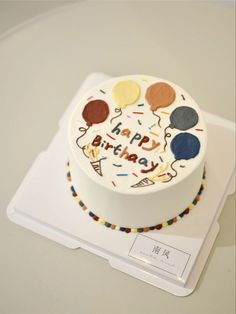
x,y
185,146
183,118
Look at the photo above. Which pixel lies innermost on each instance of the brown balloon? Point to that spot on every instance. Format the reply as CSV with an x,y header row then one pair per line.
x,y
95,111
160,95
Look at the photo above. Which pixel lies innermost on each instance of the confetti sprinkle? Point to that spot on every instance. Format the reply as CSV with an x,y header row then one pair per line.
x,y
153,133
138,112
134,174
113,183
152,126
122,174
199,129
139,122
90,97
165,112
102,91
140,105
161,159
183,97
117,165
111,137
103,158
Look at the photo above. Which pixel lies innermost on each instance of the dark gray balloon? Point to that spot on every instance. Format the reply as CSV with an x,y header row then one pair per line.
x,y
183,118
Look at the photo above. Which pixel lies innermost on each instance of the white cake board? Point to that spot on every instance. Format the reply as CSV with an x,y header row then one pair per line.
x,y
43,204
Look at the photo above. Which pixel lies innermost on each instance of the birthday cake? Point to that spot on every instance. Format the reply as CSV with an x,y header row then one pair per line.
x,y
137,149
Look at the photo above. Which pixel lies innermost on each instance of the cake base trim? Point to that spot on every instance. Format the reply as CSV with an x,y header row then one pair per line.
x,y
158,226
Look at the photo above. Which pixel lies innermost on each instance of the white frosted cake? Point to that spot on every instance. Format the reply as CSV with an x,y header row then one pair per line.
x,y
137,149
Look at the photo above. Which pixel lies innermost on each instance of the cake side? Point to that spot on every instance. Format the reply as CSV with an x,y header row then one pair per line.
x,y
135,211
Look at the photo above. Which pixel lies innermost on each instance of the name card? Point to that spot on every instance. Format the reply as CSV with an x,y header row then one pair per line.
x,y
164,257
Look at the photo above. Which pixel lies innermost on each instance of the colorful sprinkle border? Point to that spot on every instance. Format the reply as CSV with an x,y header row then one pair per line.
x,y
135,230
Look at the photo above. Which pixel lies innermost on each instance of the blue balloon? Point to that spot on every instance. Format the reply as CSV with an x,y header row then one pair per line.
x,y
185,146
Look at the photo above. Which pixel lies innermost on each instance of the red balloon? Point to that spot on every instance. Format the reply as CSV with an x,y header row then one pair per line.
x,y
95,111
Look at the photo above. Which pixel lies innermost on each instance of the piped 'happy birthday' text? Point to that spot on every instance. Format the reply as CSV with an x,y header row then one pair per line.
x,y
144,142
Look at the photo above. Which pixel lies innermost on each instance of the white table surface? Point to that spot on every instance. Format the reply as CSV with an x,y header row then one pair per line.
x,y
42,63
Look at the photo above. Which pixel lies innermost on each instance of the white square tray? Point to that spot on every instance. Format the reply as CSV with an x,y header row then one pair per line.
x,y
43,204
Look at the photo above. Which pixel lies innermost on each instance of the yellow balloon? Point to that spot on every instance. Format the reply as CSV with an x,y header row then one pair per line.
x,y
125,93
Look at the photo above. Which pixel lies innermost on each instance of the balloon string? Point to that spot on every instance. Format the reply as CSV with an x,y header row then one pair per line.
x,y
84,130
120,113
81,129
159,119
166,135
171,175
171,165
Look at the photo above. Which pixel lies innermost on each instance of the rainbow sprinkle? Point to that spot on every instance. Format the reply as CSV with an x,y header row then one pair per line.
x,y
165,112
152,126
153,133
139,122
110,136
161,175
138,112
122,174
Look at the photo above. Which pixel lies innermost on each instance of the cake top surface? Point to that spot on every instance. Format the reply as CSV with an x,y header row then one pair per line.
x,y
137,134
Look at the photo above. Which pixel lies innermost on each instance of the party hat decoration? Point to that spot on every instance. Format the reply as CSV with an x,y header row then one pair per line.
x,y
144,182
97,166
